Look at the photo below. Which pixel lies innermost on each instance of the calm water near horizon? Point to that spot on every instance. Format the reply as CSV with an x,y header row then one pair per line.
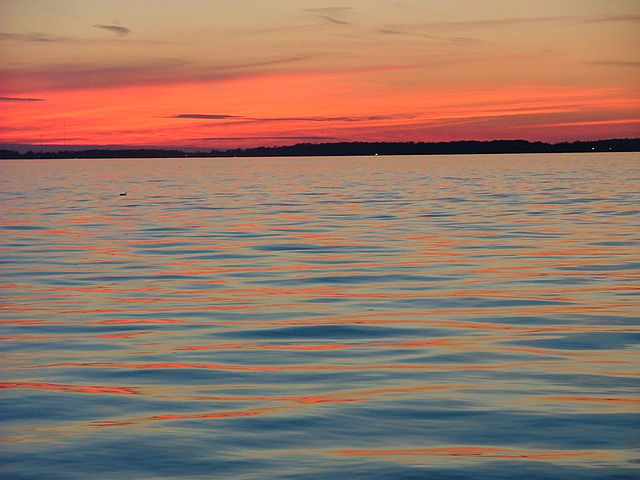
x,y
404,318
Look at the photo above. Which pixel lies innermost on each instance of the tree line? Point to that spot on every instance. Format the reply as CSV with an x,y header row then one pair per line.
x,y
352,149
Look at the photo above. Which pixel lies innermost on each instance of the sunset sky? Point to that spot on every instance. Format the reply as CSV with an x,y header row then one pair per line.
x,y
229,73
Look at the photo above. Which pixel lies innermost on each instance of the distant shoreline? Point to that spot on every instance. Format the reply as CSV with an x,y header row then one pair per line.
x,y
346,149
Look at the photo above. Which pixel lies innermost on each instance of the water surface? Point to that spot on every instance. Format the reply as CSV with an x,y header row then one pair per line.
x,y
313,318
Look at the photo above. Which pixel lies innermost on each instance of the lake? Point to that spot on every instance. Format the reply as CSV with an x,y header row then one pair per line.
x,y
402,318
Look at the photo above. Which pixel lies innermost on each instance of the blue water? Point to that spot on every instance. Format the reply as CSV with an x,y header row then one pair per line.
x,y
444,317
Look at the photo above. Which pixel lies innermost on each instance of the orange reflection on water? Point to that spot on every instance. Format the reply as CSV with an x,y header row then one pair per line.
x,y
302,401
447,342
474,451
319,367
250,292
158,310
330,398
340,397
233,413
96,289
69,388
582,328
123,335
188,416
555,352
257,346
74,233
405,317
192,416
633,401
140,320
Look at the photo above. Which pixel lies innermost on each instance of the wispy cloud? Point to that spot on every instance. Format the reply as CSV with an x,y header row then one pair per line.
x,y
149,72
447,31
334,20
614,18
616,63
268,138
328,10
114,28
598,122
48,38
330,14
245,120
438,30
20,99
419,32
266,63
501,22
32,37
364,118
98,75
390,31
202,116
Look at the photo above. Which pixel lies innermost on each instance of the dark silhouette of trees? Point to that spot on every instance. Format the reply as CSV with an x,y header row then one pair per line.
x,y
355,148
438,148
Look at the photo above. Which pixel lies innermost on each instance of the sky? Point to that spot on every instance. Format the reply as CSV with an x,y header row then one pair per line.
x,y
217,74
